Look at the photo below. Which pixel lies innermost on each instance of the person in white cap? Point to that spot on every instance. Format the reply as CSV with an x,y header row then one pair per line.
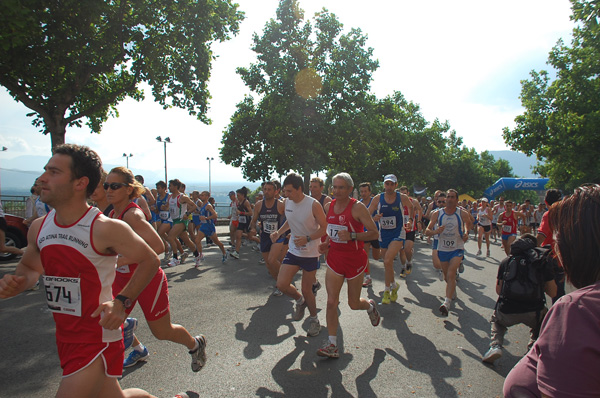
x,y
390,215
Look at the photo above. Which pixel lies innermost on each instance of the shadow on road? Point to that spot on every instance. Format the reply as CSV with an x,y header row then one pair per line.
x,y
264,325
315,375
421,354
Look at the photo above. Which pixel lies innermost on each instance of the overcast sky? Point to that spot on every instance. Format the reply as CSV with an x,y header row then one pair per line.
x,y
462,61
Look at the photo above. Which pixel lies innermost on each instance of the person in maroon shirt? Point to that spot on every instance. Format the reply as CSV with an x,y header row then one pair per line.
x,y
565,359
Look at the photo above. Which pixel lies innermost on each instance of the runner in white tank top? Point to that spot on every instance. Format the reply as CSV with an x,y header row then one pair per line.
x,y
305,219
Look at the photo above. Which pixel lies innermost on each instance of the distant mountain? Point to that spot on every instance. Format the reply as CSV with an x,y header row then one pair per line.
x,y
521,164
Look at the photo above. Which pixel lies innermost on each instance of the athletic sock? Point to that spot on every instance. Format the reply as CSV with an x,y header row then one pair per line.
x,y
196,254
139,348
333,340
387,288
300,301
175,255
196,346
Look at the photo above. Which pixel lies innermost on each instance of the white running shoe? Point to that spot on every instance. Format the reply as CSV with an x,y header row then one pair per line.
x,y
314,328
235,254
174,262
492,354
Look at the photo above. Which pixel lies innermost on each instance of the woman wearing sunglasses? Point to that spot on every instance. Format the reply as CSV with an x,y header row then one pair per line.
x,y
121,190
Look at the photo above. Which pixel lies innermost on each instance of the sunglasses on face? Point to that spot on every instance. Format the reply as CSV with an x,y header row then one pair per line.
x,y
113,185
441,202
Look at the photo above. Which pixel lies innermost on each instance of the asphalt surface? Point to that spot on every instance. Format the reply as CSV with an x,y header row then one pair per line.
x,y
256,350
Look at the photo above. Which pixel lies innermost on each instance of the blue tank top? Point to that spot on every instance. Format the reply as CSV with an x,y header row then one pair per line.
x,y
392,215
204,212
162,214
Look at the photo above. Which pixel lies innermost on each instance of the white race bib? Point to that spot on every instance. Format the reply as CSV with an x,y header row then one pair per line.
x,y
507,229
164,215
124,269
333,230
242,219
269,226
63,294
448,243
388,222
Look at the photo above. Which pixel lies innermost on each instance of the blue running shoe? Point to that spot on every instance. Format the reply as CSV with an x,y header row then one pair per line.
x,y
128,331
135,357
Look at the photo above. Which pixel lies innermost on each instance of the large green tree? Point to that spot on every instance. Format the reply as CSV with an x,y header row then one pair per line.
x,y
70,60
311,85
561,122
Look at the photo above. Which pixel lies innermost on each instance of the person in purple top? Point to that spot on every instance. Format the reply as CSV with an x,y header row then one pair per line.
x,y
565,360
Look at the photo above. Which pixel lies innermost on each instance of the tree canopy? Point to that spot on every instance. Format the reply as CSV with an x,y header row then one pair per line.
x,y
68,60
311,81
311,111
561,122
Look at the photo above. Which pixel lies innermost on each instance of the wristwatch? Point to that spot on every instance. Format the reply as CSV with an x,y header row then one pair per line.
x,y
353,235
127,303
307,238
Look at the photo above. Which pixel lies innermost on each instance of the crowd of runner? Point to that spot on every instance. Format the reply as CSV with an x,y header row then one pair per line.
x,y
293,231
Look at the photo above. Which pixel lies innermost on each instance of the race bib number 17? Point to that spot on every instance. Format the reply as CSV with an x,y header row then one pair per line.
x,y
63,294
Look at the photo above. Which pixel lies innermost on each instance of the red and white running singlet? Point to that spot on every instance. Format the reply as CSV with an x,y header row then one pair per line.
x,y
343,222
407,217
77,278
510,224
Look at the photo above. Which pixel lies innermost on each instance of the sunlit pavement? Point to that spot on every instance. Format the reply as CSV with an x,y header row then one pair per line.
x,y
255,349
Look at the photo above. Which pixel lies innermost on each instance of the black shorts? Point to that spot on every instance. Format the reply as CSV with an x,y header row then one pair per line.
x,y
374,243
244,227
3,225
410,235
486,228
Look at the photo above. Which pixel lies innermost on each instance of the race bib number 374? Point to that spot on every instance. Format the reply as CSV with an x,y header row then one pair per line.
x,y
63,294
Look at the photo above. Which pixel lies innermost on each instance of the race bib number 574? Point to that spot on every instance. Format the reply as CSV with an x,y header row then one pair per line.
x,y
63,294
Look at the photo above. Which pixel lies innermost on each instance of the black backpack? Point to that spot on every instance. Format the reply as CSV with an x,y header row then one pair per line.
x,y
523,279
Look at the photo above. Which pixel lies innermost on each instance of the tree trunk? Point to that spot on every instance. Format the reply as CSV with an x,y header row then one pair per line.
x,y
57,131
306,182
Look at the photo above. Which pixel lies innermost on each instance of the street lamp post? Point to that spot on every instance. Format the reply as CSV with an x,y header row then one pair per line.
x,y
3,149
210,159
127,157
166,141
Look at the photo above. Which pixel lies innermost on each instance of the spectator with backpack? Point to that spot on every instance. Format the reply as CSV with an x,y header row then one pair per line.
x,y
565,359
523,278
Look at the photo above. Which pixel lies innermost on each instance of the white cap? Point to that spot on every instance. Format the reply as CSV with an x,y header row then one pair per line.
x,y
390,177
484,200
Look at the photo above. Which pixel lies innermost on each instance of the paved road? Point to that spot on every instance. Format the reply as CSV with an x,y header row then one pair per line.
x,y
255,349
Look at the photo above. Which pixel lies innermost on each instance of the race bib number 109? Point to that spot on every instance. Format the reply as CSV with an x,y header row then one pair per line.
x,y
63,294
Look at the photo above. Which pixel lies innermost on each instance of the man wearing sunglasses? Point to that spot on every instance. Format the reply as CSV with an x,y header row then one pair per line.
x,y
75,247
